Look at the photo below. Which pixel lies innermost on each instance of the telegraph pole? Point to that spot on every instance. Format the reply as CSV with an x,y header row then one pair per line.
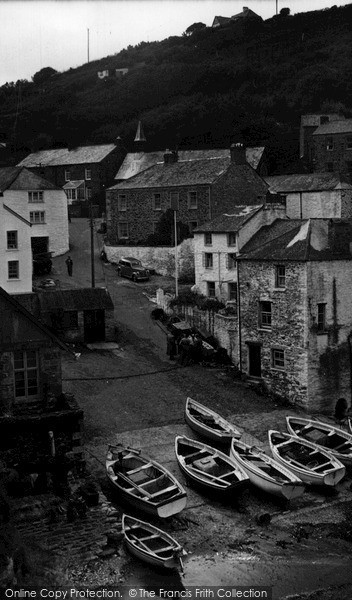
x,y
88,42
176,260
91,224
277,2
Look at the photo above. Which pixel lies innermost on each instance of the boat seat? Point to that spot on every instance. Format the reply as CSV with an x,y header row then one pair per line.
x,y
340,447
139,469
168,489
323,465
169,547
149,537
194,455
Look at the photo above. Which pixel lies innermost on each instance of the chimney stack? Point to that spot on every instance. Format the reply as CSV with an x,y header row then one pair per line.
x,y
238,154
170,157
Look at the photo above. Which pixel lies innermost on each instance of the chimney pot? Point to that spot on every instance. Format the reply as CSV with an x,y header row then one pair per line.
x,y
238,154
170,157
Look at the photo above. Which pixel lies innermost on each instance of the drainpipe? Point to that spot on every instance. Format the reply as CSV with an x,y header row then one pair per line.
x,y
239,317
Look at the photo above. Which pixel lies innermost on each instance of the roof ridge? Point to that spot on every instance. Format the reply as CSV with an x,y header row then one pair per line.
x,y
267,227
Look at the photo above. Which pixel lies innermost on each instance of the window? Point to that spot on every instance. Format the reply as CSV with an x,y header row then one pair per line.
x,y
321,320
88,193
208,260
71,194
330,167
123,230
265,315
122,202
174,200
231,239
35,196
67,175
13,269
278,359
329,144
192,200
157,202
211,289
280,276
231,261
12,240
88,174
192,225
208,239
37,216
232,290
26,374
349,143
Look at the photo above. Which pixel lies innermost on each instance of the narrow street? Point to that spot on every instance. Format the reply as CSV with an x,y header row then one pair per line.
x,y
134,394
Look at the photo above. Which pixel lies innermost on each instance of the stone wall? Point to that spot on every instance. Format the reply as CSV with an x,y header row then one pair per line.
x,y
339,156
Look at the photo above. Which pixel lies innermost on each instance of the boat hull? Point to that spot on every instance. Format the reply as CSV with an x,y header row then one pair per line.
x,y
159,540
223,435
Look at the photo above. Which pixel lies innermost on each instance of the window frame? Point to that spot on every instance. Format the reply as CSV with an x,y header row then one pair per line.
x,y
330,144
12,245
67,175
208,260
231,261
36,197
206,238
26,370
265,316
87,174
122,202
275,360
211,291
192,205
157,196
32,218
321,317
279,278
13,275
230,237
232,290
119,226
174,200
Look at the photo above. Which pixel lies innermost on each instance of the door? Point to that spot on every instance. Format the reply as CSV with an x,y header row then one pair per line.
x,y
94,326
254,359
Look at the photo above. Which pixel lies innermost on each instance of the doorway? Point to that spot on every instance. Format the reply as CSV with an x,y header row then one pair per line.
x,y
254,360
94,326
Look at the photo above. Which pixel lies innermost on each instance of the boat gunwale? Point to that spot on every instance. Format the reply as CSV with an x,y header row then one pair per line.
x,y
228,430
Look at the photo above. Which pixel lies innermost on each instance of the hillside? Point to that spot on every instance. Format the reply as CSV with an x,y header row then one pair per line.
x,y
246,81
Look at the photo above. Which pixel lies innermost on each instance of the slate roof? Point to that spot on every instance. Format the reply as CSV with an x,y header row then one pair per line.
x,y
246,13
76,299
135,162
221,20
313,120
18,178
229,222
307,182
344,126
64,156
74,184
196,172
301,240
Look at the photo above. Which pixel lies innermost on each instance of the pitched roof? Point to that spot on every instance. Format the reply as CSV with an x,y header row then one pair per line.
x,y
229,222
301,240
313,120
344,126
19,178
246,13
196,172
15,214
76,299
221,20
306,182
135,162
64,156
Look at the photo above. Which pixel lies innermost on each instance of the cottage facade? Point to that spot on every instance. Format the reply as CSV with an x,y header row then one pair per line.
x,y
309,124
333,147
15,251
198,190
314,195
295,323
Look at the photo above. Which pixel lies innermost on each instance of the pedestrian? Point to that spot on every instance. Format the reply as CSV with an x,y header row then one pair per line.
x,y
69,264
341,411
184,350
171,346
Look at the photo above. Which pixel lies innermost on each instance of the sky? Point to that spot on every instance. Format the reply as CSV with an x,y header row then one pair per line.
x,y
54,33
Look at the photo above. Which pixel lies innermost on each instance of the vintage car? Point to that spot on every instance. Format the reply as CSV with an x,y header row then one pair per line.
x,y
132,268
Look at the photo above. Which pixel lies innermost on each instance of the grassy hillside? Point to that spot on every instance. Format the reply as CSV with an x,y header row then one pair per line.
x,y
246,81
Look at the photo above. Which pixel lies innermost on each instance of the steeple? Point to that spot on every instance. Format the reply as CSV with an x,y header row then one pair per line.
x,y
140,139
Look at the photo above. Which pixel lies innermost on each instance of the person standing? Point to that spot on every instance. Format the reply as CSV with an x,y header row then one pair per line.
x,y
171,346
69,264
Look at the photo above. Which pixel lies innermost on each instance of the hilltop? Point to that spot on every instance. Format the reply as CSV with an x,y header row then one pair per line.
x,y
246,81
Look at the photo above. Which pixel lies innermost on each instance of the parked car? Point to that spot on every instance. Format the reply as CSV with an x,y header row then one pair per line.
x,y
42,263
132,268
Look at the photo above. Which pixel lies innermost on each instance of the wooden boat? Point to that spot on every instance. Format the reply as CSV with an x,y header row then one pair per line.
x,y
309,462
151,544
349,425
337,441
266,473
144,483
210,469
208,423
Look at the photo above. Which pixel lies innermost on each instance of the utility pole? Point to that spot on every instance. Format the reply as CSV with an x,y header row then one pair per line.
x,y
91,224
176,258
88,42
277,8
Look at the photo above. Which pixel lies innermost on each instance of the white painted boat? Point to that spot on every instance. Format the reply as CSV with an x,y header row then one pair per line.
x,y
311,463
266,473
209,468
208,423
150,544
349,425
144,483
337,441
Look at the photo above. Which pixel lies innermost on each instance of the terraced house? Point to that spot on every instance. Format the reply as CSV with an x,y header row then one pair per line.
x,y
199,190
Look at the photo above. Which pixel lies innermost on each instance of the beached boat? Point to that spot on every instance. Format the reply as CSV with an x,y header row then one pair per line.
x,y
349,425
151,544
144,483
209,468
337,441
309,462
266,473
208,423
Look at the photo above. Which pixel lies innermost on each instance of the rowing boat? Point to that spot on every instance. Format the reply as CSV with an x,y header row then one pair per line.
x,y
209,468
311,463
337,441
208,423
143,483
266,473
150,544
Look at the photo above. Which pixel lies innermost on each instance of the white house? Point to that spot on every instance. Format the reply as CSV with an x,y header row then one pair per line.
x,y
15,254
41,203
217,243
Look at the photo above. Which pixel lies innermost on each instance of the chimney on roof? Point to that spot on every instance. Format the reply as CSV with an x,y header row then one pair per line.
x,y
170,157
238,154
245,8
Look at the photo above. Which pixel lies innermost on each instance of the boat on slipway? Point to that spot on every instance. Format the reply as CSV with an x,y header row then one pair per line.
x,y
208,424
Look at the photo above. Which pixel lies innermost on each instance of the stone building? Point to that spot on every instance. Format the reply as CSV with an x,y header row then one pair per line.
x,y
314,195
15,251
309,124
199,190
333,147
34,413
295,335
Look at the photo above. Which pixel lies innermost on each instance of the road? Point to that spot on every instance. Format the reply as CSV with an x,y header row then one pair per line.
x,y
134,394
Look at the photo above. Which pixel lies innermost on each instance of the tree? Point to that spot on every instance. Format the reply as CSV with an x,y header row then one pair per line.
x,y
195,27
43,75
284,12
